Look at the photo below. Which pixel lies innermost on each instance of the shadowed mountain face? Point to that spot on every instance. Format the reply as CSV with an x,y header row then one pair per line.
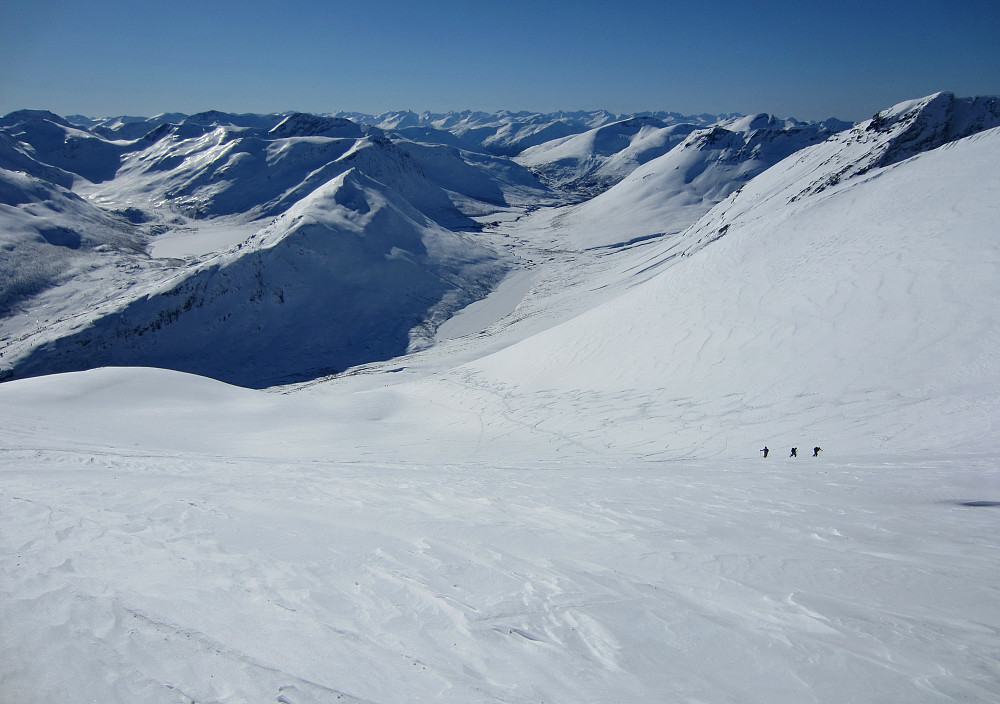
x,y
350,275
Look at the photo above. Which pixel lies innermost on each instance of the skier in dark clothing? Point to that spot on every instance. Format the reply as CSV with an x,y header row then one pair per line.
x,y
816,451
765,451
795,452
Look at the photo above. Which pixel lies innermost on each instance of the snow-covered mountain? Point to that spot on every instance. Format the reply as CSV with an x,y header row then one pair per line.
x,y
828,292
554,493
510,133
350,274
666,177
597,159
206,169
250,170
256,168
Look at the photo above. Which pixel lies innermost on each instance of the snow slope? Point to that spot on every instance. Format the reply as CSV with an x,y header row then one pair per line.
x,y
865,313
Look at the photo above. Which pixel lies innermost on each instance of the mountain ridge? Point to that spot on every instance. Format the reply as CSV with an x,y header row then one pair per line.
x,y
667,185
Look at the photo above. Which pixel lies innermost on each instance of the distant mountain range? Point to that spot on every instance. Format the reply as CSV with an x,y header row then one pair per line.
x,y
356,236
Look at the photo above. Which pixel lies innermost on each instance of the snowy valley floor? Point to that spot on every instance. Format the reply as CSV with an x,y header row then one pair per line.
x,y
138,576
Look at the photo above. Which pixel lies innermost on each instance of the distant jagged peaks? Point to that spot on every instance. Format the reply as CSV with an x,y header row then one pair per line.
x,y
506,132
351,201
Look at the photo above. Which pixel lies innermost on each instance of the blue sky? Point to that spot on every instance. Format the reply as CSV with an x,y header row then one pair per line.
x,y
801,59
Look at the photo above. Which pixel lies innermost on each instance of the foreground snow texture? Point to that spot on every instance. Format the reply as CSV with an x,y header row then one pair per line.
x,y
562,500
140,576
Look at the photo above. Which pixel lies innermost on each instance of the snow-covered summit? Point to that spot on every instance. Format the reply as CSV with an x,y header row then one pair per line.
x,y
904,130
352,273
306,125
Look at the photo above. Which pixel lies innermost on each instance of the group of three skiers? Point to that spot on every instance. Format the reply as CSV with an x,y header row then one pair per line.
x,y
795,451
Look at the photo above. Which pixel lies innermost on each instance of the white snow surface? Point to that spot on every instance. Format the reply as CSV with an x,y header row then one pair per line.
x,y
563,499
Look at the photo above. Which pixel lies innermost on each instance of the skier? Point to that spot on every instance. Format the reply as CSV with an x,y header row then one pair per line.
x,y
795,452
816,451
765,451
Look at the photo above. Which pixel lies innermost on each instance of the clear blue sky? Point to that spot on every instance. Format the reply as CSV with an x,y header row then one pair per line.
x,y
804,59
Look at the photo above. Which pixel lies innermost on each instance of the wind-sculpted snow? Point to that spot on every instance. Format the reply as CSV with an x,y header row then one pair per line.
x,y
351,274
168,538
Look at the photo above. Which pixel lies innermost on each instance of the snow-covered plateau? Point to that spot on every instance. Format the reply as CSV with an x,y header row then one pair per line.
x,y
470,408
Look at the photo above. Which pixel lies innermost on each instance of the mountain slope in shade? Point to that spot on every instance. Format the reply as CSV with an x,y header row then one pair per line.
x,y
351,274
49,234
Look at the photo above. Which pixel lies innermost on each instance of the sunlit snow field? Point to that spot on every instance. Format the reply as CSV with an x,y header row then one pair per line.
x,y
179,577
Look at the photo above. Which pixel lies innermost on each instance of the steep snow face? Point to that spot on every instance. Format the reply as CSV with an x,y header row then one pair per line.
x,y
351,274
672,191
898,133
